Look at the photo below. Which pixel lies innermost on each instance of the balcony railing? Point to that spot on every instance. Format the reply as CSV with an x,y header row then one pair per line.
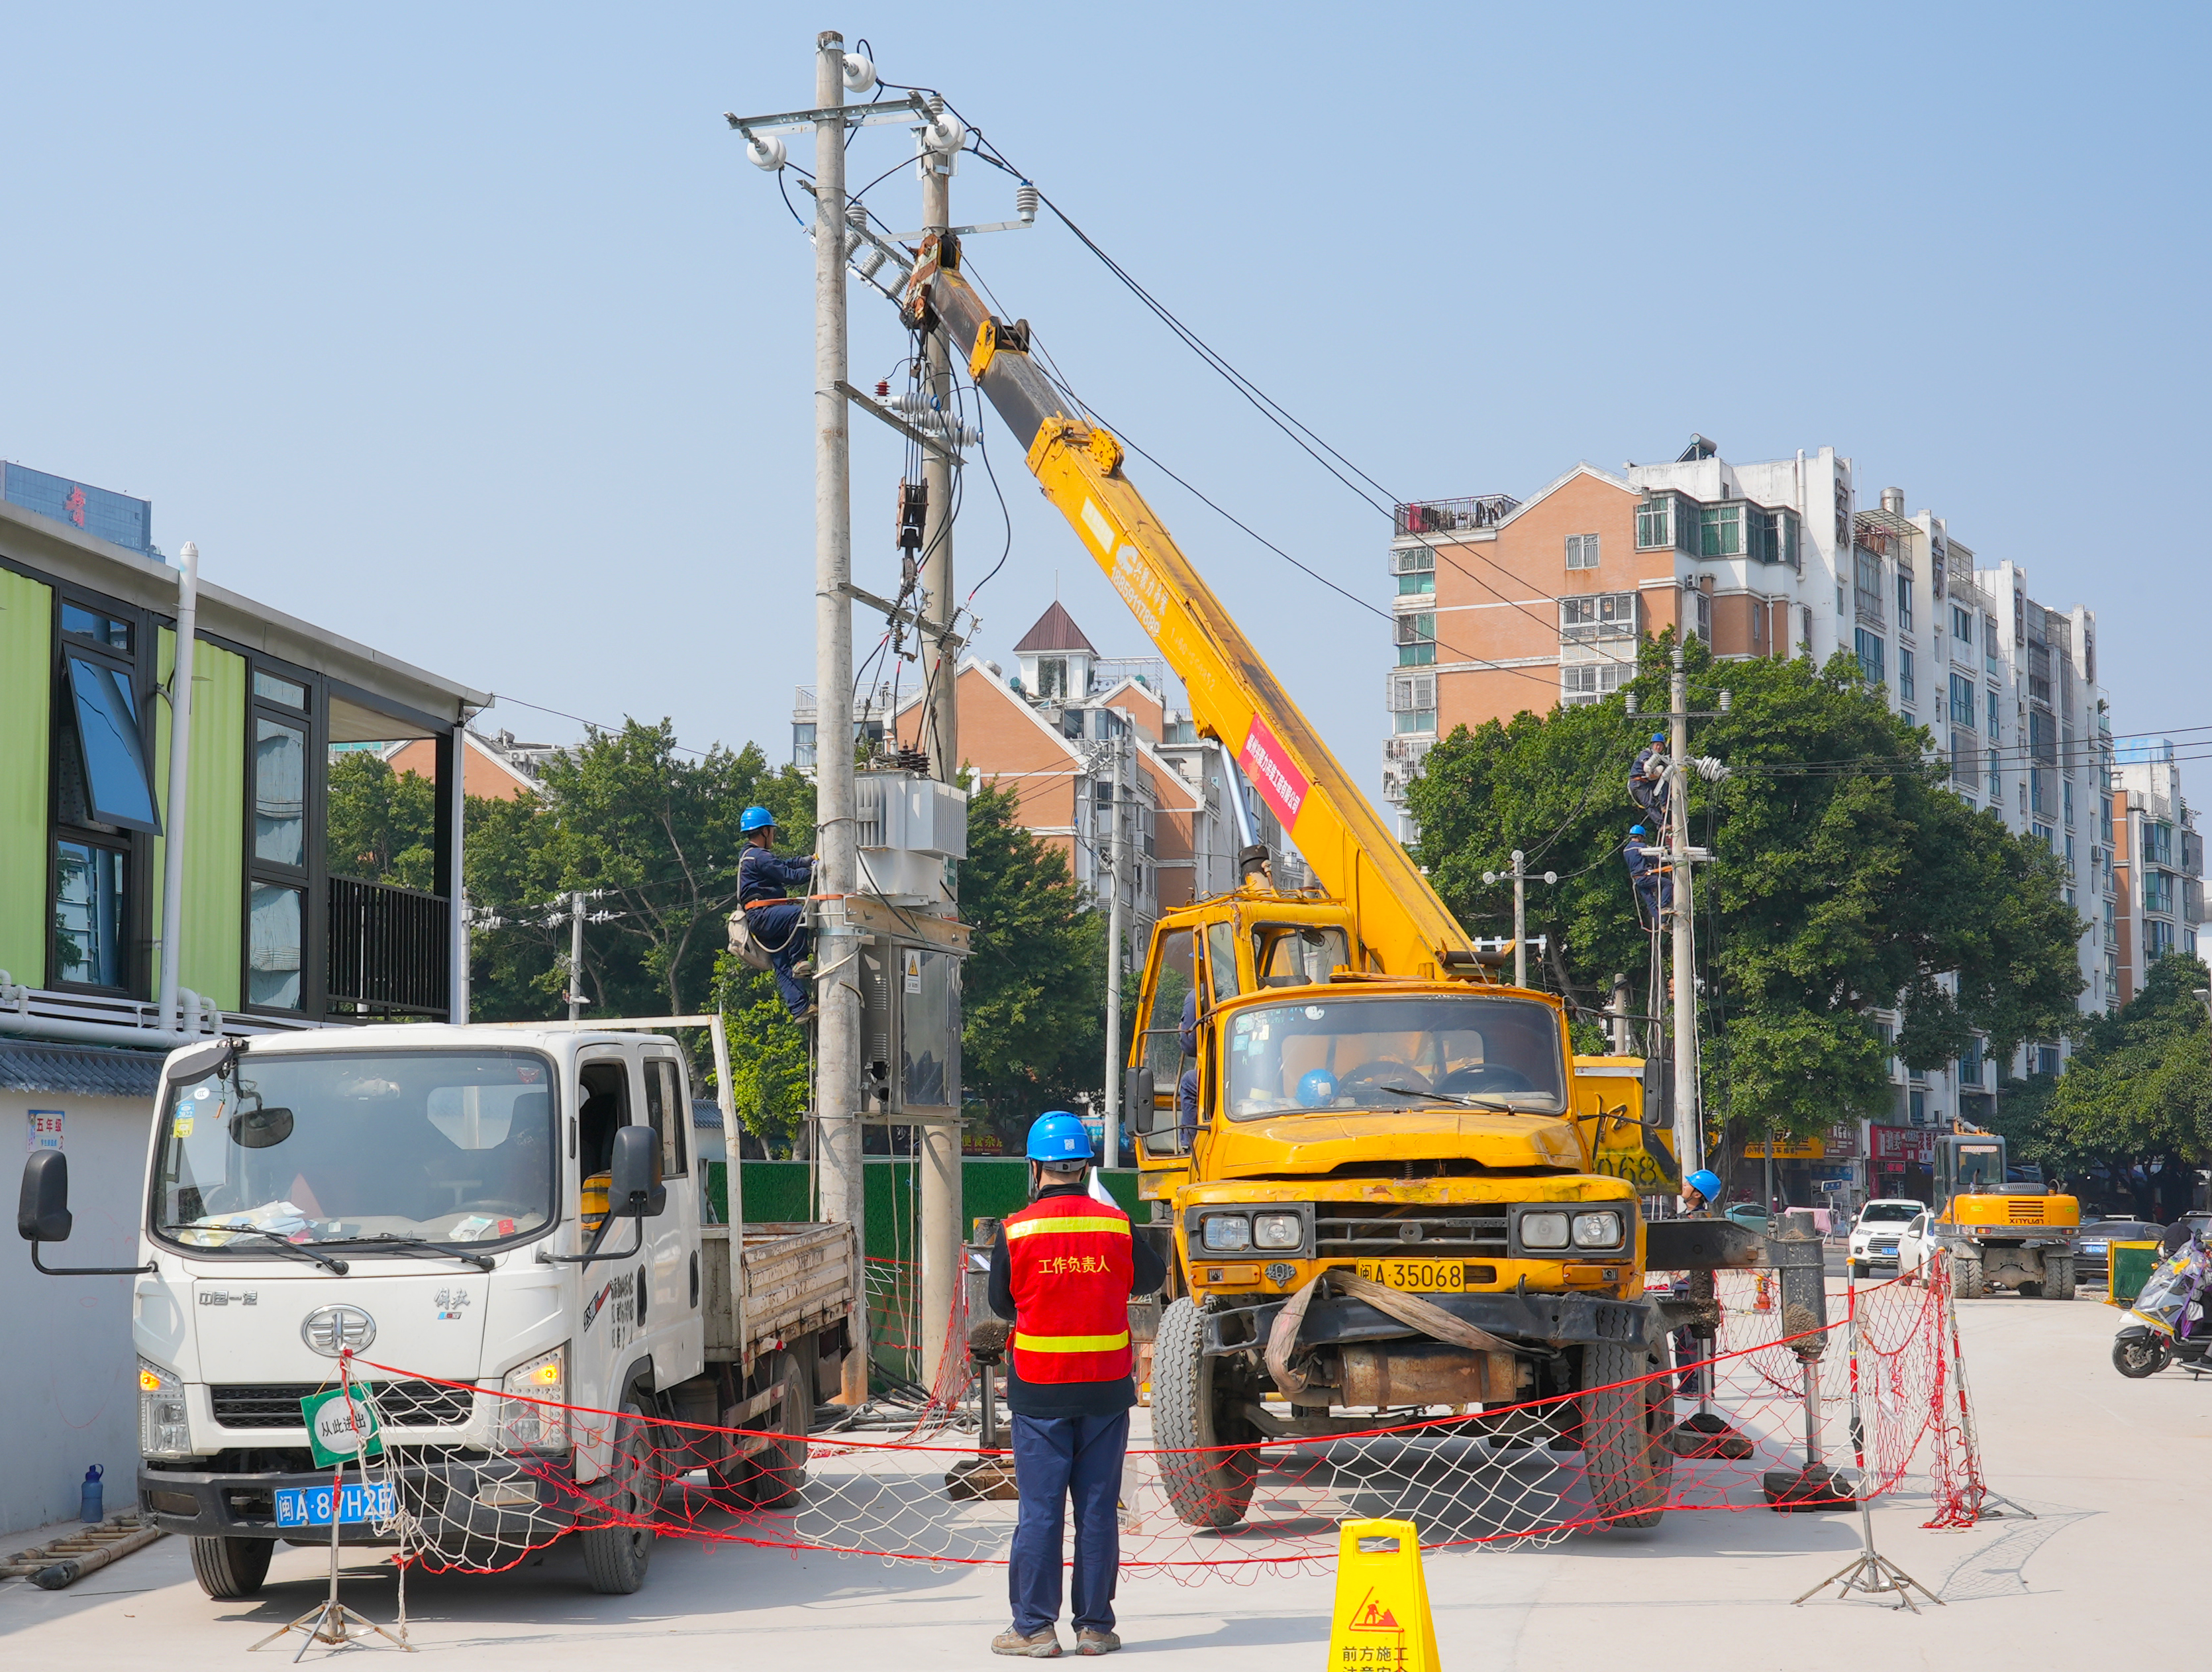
x,y
1443,516
389,949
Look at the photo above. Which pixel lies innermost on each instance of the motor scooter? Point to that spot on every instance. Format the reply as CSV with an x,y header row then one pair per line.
x,y
2167,1323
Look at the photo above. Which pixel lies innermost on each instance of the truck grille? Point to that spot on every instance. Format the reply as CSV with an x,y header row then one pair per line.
x,y
2024,1210
1351,1228
276,1404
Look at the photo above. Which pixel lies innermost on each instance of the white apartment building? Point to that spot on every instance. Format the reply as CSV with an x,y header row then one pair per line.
x,y
2154,901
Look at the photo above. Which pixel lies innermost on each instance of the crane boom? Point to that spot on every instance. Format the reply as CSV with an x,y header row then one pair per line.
x,y
1235,696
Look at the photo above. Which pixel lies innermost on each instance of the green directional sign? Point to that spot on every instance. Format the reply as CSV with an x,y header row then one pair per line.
x,y
342,1425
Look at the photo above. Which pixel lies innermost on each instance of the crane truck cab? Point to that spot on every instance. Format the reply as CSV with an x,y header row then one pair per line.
x,y
2000,1224
1359,1136
498,1233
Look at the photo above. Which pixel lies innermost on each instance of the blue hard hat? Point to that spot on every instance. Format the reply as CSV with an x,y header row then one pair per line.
x,y
1658,737
1635,829
1706,1184
756,819
1317,1089
1058,1135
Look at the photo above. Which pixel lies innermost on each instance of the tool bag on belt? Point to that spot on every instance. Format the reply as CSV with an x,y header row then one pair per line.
x,y
1069,1265
745,944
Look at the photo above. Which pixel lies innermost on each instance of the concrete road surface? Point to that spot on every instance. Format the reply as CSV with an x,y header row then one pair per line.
x,y
2118,1472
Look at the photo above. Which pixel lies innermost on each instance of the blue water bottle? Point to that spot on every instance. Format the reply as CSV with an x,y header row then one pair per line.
x,y
90,1509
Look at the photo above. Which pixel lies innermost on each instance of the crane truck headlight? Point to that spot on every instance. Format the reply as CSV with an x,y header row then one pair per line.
x,y
1224,1232
162,1429
532,1417
1544,1231
1278,1230
1596,1231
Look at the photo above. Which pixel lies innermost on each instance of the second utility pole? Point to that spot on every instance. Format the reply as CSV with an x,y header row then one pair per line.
x,y
1117,861
837,994
1689,1131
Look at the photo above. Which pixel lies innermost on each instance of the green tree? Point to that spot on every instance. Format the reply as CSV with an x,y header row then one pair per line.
x,y
379,824
1033,994
653,829
2138,1092
1845,877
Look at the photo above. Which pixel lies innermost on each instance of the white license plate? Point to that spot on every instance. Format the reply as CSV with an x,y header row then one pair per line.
x,y
310,1506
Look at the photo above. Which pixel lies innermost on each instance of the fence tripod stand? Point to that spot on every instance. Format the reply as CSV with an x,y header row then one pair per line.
x,y
330,1621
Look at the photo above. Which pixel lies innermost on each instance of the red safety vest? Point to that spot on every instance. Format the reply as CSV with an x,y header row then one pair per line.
x,y
1071,1266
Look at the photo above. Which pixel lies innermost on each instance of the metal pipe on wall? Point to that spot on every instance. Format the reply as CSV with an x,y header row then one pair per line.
x,y
180,765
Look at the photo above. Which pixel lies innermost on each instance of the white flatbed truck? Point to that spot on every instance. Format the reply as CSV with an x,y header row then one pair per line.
x,y
497,1223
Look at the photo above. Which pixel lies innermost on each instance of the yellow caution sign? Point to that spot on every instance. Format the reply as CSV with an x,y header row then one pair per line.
x,y
1381,1615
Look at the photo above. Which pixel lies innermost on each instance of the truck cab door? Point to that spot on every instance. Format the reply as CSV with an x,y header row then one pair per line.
x,y
675,1324
1170,975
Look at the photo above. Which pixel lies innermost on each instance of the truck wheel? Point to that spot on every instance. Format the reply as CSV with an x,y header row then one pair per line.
x,y
615,1557
231,1568
1208,1488
2058,1276
774,1475
1624,1453
1967,1277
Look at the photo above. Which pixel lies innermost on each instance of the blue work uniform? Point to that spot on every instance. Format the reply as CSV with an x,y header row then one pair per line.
x,y
777,923
1649,794
1654,889
1070,1439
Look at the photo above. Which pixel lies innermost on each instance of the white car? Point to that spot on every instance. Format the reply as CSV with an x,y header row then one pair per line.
x,y
1873,1240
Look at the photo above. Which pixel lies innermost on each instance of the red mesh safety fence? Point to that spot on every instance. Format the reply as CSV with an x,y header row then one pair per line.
x,y
1616,1438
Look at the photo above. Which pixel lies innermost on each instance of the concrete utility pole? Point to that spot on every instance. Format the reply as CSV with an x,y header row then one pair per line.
x,y
180,772
1117,852
941,1205
1689,1130
837,994
1520,875
944,719
1622,1039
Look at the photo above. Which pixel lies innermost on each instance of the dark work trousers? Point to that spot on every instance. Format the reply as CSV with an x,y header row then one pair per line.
x,y
1056,1458
782,934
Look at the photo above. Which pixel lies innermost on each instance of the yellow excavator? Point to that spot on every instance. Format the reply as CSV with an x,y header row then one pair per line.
x,y
1392,1186
2001,1225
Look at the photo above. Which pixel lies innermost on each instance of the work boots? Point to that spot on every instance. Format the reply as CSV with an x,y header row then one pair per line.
x,y
1045,1646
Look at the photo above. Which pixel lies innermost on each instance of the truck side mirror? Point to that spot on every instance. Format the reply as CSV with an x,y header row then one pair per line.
x,y
197,1062
1139,1103
43,1213
631,1193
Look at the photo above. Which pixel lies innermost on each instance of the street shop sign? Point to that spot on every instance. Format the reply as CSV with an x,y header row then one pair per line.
x,y
1911,1146
1788,1149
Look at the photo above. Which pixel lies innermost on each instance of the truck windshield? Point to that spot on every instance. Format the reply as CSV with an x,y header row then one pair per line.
x,y
1395,1054
452,1145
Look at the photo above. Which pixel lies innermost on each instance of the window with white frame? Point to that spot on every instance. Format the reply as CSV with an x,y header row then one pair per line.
x,y
1581,551
1598,615
1413,702
1583,683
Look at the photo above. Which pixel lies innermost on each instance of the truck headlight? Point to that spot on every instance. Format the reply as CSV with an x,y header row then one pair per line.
x,y
1224,1232
1278,1230
162,1430
1597,1229
1543,1230
536,1421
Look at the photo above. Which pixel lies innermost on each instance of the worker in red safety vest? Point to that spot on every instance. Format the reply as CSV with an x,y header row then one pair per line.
x,y
1062,1270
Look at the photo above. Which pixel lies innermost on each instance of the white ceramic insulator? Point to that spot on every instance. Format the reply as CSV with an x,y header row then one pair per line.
x,y
860,74
1026,201
946,134
766,151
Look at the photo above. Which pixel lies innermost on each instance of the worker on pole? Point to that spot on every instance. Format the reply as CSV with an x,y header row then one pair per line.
x,y
777,923
1062,1270
1654,889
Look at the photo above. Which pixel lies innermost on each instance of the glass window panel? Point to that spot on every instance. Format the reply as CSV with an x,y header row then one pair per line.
x,y
90,894
272,958
280,790
113,753
88,623
269,686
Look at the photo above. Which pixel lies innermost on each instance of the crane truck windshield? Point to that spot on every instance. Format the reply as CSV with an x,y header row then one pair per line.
x,y
457,1147
1395,1054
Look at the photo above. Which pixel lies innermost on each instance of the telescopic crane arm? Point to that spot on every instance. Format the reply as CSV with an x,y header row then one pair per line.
x,y
1235,696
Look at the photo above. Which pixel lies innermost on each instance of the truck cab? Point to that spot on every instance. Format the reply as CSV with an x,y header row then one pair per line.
x,y
1314,1127
494,1232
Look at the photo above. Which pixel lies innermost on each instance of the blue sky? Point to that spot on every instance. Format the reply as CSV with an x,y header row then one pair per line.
x,y
469,332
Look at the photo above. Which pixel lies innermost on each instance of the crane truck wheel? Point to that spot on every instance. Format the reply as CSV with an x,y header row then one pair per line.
x,y
1625,1455
231,1568
1207,1488
617,1556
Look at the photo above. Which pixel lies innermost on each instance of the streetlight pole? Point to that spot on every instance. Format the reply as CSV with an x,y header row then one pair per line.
x,y
1689,1130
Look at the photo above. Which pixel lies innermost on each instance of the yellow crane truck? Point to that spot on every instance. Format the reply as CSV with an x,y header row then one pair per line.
x,y
1389,1187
